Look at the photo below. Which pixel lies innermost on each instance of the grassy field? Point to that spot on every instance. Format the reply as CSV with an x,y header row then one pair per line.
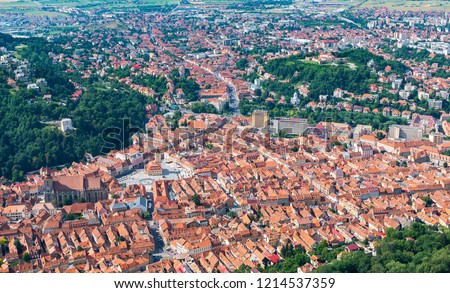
x,y
17,3
43,13
9,4
415,5
403,5
25,4
441,5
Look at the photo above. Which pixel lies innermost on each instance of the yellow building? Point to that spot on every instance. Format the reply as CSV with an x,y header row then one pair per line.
x,y
260,119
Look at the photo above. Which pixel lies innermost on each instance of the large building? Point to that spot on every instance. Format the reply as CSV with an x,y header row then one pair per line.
x,y
260,119
405,132
75,188
153,169
17,212
361,130
288,125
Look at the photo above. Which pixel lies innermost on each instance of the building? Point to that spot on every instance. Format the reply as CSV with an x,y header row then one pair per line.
x,y
361,130
436,137
136,158
434,104
404,132
295,100
444,95
260,119
365,150
153,169
423,95
445,117
288,125
66,125
218,103
75,188
159,157
424,122
48,206
17,212
139,203
41,82
32,86
396,84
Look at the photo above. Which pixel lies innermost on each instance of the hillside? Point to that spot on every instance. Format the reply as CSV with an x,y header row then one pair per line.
x,y
26,144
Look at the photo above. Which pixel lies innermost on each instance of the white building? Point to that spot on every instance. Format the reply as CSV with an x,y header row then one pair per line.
x,y
295,100
423,95
32,86
66,125
17,212
444,95
434,104
41,82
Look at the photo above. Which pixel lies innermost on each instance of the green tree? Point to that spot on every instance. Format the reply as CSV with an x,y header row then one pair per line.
x,y
26,257
420,248
146,215
177,115
201,107
18,246
3,246
243,269
292,260
67,201
196,199
428,201
380,136
242,64
232,214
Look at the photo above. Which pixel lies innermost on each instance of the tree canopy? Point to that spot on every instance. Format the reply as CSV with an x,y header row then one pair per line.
x,y
419,249
30,136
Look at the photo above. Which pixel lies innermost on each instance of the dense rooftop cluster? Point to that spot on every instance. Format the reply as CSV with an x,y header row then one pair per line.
x,y
238,202
347,139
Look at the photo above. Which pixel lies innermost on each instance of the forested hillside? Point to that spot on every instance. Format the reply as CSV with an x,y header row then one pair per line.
x,y
419,249
323,79
26,143
350,72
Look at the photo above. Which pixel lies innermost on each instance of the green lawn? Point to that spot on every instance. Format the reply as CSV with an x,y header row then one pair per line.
x,y
44,13
111,3
413,5
430,5
9,4
422,5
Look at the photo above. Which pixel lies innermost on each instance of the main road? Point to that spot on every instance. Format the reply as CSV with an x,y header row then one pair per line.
x,y
234,99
